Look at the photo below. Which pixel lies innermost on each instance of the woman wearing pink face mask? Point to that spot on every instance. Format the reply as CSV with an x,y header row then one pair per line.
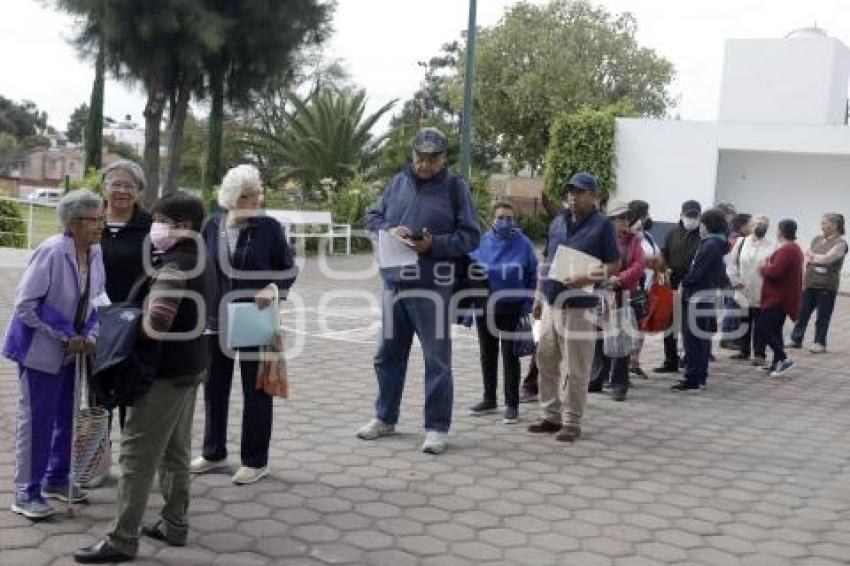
x,y
250,252
157,435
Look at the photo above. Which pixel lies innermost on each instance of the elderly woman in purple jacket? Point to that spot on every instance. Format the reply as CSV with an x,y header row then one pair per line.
x,y
54,320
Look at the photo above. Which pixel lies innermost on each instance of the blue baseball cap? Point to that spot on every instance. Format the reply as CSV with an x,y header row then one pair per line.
x,y
584,181
430,140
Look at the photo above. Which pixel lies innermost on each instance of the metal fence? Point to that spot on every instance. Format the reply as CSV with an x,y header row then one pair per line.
x,y
39,221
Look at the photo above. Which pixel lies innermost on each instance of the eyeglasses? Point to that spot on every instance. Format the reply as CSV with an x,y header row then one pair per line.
x,y
93,219
505,217
576,191
429,157
121,185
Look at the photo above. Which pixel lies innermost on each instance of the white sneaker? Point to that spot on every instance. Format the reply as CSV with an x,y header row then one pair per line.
x,y
201,465
435,442
245,475
374,429
817,349
783,368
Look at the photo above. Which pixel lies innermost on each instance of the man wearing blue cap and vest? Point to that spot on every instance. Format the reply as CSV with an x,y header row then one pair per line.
x,y
568,314
431,210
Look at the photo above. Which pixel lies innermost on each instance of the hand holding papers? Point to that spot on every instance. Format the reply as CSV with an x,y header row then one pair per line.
x,y
570,264
394,251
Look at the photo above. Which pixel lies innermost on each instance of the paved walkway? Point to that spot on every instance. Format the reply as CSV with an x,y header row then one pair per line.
x,y
752,472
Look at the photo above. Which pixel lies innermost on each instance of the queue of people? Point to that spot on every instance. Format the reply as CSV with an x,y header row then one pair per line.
x,y
199,266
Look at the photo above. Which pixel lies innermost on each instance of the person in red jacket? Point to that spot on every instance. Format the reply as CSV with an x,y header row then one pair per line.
x,y
780,294
632,264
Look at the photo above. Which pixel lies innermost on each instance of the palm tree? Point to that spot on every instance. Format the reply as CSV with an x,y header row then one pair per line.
x,y
325,137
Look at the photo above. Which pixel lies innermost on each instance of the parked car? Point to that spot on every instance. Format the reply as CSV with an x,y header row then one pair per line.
x,y
45,196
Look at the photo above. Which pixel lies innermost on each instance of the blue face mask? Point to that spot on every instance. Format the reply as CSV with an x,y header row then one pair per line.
x,y
503,227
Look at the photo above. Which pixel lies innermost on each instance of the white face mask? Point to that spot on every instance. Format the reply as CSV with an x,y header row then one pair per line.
x,y
690,224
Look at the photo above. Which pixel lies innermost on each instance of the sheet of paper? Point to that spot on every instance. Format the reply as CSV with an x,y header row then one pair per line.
x,y
394,252
570,262
101,300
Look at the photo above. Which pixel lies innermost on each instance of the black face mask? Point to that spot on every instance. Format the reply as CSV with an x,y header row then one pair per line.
x,y
760,231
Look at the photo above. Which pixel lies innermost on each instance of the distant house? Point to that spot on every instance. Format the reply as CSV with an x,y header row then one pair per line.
x,y
780,145
127,132
47,167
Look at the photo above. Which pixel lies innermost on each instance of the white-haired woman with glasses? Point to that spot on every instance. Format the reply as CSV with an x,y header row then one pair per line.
x,y
54,320
255,249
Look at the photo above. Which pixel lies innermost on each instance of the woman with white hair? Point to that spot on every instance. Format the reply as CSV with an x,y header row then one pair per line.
x,y
744,270
250,252
54,320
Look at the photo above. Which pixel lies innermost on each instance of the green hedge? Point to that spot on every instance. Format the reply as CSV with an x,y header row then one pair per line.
x,y
13,230
583,141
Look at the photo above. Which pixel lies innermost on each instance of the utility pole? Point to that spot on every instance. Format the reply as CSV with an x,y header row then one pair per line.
x,y
466,124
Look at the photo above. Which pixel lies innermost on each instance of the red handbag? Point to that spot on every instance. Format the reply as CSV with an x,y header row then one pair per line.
x,y
660,298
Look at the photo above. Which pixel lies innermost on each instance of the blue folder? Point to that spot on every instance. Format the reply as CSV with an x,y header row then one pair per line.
x,y
249,326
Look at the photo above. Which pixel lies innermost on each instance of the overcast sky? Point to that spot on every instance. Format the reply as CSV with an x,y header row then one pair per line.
x,y
382,40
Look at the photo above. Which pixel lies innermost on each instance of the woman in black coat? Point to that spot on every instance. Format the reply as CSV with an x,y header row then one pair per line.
x,y
249,242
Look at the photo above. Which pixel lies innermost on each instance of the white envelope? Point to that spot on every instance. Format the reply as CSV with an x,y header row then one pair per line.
x,y
570,262
394,252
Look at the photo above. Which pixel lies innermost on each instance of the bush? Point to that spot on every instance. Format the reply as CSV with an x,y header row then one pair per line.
x,y
583,141
91,182
13,229
535,226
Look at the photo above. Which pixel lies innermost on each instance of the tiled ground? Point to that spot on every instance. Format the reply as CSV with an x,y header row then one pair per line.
x,y
752,472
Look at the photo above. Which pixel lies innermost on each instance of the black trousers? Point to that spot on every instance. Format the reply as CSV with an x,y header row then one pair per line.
x,y
822,301
488,342
256,410
770,324
615,370
751,341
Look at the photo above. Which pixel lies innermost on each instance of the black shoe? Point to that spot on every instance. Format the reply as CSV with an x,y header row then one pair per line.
x,y
740,356
618,394
711,358
155,531
638,372
594,387
666,369
685,387
100,552
483,408
794,345
542,425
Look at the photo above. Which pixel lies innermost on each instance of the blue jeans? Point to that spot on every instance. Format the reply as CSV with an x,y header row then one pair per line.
x,y
425,313
822,300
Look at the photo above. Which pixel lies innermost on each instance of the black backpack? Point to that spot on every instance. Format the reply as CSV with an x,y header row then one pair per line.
x,y
125,365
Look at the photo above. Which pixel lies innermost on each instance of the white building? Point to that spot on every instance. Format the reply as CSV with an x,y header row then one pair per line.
x,y
780,146
127,132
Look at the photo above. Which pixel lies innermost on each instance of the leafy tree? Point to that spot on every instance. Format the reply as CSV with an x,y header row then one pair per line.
x,y
10,152
261,39
160,45
583,141
327,136
77,123
21,120
539,61
195,139
94,119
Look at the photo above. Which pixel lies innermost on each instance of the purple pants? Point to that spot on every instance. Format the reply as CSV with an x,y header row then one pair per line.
x,y
43,435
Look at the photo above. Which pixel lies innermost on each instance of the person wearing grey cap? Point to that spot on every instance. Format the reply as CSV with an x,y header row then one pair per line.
x,y
678,252
430,210
568,328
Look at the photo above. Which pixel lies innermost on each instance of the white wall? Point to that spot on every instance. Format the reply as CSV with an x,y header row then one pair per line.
x,y
796,81
666,162
781,185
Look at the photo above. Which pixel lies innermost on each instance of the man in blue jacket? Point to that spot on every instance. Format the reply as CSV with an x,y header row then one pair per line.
x,y
432,212
567,313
